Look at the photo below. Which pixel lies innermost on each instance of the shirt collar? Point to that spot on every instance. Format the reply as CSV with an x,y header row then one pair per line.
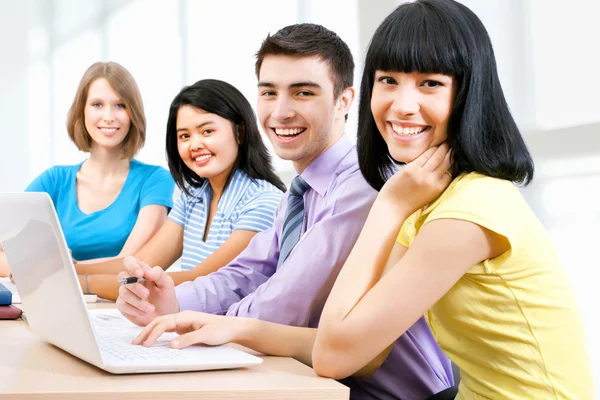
x,y
322,170
204,192
198,194
226,198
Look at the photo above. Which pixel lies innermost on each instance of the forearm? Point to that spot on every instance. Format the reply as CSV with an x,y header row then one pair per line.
x,y
150,219
162,250
361,272
105,286
182,276
164,259
289,341
4,268
96,260
277,340
365,264
233,246
112,266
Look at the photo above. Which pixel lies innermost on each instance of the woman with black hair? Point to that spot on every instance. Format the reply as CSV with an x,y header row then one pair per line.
x,y
449,235
229,189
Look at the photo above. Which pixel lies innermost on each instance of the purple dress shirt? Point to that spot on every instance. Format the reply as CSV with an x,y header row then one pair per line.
x,y
335,209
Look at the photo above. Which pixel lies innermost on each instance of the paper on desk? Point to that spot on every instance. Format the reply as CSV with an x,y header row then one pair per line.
x,y
16,299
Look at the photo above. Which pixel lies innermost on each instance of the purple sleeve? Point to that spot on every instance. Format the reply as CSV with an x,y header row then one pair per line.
x,y
296,293
216,292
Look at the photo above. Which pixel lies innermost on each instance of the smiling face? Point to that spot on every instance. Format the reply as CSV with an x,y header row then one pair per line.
x,y
296,107
206,143
106,118
411,111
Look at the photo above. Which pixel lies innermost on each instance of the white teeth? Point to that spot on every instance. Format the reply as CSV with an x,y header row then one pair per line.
x,y
407,131
288,132
108,130
203,157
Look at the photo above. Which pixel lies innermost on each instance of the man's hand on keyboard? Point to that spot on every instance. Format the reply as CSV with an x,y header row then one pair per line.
x,y
194,327
142,302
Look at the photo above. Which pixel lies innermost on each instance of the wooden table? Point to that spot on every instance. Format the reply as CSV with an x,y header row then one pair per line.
x,y
32,369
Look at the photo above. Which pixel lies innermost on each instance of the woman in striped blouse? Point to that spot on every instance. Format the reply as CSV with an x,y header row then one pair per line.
x,y
229,190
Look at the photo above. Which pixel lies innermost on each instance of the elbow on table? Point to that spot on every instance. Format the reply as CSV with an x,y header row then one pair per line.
x,y
330,362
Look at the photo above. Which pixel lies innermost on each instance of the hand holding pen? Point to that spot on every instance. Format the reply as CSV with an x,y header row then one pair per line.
x,y
142,302
130,279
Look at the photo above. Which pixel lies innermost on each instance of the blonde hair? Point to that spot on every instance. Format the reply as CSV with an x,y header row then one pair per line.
x,y
122,82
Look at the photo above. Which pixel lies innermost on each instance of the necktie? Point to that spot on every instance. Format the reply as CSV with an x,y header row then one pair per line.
x,y
292,224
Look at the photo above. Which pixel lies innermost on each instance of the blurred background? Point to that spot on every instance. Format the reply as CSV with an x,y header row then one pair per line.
x,y
544,49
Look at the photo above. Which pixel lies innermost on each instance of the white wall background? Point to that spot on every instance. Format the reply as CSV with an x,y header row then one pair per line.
x,y
546,51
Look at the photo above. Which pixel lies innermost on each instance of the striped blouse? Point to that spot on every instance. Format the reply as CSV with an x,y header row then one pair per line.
x,y
247,204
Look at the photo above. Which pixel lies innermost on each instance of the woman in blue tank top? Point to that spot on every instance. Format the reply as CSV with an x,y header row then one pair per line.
x,y
109,205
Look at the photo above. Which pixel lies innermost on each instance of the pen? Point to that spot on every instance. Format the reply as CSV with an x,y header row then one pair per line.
x,y
130,279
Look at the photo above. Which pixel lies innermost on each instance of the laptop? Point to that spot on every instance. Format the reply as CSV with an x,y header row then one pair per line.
x,y
55,309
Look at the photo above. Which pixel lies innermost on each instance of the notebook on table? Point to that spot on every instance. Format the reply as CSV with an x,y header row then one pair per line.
x,y
6,296
46,280
7,310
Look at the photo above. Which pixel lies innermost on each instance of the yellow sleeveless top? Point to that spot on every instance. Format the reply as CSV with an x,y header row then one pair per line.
x,y
511,324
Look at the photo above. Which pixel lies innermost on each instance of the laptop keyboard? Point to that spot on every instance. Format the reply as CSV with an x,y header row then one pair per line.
x,y
115,334
122,348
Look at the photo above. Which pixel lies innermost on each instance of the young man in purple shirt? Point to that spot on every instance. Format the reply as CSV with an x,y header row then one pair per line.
x,y
305,75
